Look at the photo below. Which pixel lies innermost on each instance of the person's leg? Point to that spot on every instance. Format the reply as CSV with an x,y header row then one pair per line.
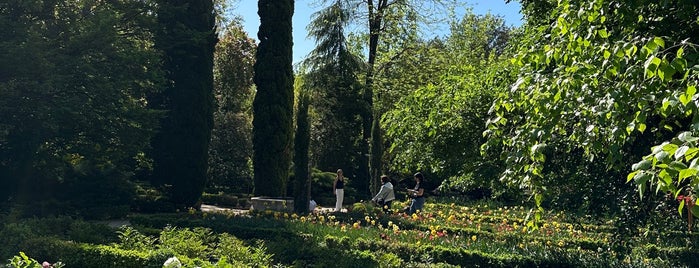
x,y
412,208
387,206
419,203
340,194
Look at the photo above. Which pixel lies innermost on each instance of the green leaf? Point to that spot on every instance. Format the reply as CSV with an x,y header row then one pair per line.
x,y
676,165
631,176
691,90
631,51
603,33
557,97
695,210
659,41
642,178
679,153
687,137
641,127
684,99
680,52
686,173
670,148
562,26
665,71
643,165
662,155
694,163
679,64
665,178
607,54
651,66
641,189
691,153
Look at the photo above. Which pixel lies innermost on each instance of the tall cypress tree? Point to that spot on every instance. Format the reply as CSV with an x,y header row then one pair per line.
x,y
273,104
187,38
302,139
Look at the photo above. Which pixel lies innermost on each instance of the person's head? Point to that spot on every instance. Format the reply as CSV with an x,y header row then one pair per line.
x,y
418,177
339,172
384,179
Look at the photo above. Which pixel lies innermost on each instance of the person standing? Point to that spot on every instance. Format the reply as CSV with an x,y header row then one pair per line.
x,y
338,189
417,194
386,195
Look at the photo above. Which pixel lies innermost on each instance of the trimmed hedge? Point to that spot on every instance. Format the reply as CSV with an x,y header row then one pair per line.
x,y
88,255
474,258
454,256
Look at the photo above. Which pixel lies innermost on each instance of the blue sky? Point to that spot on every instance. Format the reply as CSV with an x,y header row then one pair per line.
x,y
247,9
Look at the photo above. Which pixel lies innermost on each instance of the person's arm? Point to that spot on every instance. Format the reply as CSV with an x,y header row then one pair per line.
x,y
334,184
381,194
417,192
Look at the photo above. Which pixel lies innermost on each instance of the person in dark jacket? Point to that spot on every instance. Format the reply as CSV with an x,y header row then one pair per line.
x,y
417,194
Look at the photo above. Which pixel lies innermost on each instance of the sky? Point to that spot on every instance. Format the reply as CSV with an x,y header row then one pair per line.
x,y
247,9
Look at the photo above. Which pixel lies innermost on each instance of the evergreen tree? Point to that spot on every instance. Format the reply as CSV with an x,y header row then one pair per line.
x,y
273,104
302,185
333,79
187,38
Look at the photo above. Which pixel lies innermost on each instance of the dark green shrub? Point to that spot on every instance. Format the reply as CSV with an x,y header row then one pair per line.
x,y
98,195
220,199
87,255
150,200
15,235
12,236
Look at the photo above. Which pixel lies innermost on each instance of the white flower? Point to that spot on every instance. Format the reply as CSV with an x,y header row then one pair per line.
x,y
172,263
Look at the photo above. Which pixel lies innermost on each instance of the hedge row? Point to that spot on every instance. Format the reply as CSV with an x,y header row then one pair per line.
x,y
88,255
272,230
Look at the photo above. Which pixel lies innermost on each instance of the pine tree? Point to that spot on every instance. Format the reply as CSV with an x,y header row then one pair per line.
x,y
337,100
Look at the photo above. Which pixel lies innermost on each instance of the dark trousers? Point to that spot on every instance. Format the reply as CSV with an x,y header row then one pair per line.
x,y
385,205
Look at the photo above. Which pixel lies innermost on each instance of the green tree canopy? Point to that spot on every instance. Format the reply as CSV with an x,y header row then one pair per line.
x,y
73,113
230,151
610,79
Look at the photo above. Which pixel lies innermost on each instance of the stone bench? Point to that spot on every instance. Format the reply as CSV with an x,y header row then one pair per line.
x,y
272,203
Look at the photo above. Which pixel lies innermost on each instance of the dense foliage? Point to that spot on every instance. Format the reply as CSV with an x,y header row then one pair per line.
x,y
302,140
332,79
230,151
73,119
187,37
273,104
606,81
449,85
